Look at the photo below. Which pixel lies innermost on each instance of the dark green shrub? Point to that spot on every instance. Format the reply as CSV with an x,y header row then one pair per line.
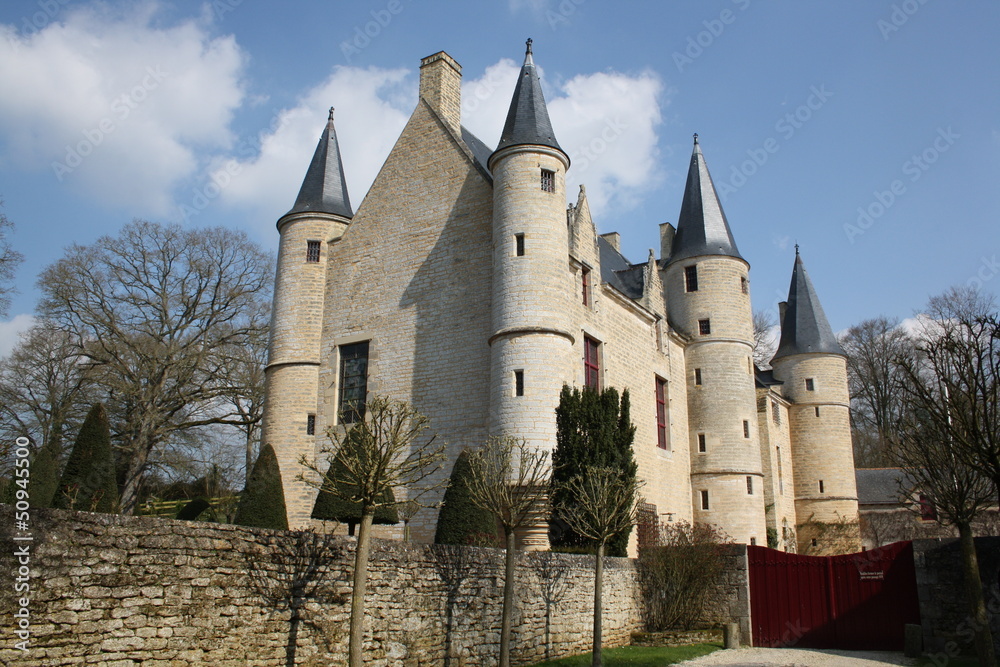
x,y
263,501
45,476
88,481
192,510
334,500
460,521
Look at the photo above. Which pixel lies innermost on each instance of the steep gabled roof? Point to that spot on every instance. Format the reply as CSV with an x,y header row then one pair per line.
x,y
804,327
528,118
618,272
324,189
702,228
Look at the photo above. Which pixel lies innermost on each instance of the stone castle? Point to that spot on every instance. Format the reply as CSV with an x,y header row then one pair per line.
x,y
465,286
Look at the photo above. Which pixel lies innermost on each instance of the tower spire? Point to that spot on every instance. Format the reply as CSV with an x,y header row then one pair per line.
x,y
804,327
528,117
324,189
702,228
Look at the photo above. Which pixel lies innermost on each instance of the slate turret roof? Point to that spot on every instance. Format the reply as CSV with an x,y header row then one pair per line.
x,y
702,228
528,118
324,189
804,327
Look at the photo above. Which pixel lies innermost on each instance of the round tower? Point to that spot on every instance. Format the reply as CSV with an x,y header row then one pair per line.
x,y
708,299
321,213
531,342
813,367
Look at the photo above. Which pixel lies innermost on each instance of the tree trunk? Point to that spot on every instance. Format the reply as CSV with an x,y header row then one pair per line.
x,y
508,598
597,659
133,477
974,594
361,553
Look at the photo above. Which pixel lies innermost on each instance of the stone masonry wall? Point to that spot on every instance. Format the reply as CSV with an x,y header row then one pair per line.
x,y
115,590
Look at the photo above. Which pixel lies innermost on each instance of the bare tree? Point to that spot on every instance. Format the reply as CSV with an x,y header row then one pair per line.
x,y
246,387
607,503
509,478
948,441
9,259
383,451
764,342
154,311
44,394
876,385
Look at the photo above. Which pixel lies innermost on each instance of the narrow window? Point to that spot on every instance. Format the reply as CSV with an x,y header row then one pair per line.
x,y
586,286
781,481
353,381
702,447
817,410
746,428
776,413
591,363
749,365
704,327
810,385
814,541
312,251
310,424
519,245
753,541
744,286
821,486
661,413
704,500
697,376
519,383
749,485
691,278
927,510
548,180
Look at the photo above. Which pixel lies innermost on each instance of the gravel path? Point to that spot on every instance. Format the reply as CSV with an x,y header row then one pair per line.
x,y
787,657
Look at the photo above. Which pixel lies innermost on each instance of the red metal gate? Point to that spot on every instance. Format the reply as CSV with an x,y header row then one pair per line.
x,y
858,601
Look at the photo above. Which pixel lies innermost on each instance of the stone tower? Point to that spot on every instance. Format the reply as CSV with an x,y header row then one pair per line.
x,y
813,368
321,213
708,300
532,340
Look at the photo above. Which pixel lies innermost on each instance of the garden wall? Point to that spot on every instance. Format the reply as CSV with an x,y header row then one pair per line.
x,y
117,591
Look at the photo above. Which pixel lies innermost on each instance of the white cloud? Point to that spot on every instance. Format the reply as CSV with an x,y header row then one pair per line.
x,y
11,330
122,103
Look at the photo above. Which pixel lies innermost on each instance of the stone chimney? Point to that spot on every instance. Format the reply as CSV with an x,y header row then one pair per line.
x,y
441,88
667,232
615,239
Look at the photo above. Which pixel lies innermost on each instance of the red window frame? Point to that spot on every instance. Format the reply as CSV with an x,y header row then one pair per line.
x,y
586,286
661,413
591,363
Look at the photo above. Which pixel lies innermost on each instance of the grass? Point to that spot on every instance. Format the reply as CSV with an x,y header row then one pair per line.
x,y
637,656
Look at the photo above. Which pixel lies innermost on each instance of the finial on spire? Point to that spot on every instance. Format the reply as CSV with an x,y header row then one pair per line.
x,y
528,44
695,138
331,114
796,249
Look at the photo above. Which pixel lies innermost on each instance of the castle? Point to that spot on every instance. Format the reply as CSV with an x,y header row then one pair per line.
x,y
465,286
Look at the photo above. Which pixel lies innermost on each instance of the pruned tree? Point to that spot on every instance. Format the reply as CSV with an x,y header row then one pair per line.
x,y
764,340
508,478
9,259
948,442
384,450
606,503
461,521
88,481
156,312
263,501
593,429
876,385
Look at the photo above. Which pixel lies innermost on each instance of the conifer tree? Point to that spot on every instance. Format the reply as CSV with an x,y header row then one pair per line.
x,y
334,505
593,430
460,520
263,502
45,475
88,481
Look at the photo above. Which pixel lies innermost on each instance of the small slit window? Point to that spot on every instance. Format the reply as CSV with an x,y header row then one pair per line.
x,y
749,485
753,541
810,385
821,489
697,376
585,285
744,285
548,180
776,413
519,245
704,327
519,383
312,251
746,428
704,499
702,446
691,278
310,424
817,410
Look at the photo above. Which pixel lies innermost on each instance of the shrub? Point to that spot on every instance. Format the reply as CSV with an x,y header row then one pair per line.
x,y
45,475
192,510
461,521
263,502
88,482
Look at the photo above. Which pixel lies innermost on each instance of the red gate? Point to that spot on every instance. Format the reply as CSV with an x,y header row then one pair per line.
x,y
859,601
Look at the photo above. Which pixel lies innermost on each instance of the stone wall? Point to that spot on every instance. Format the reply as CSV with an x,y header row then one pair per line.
x,y
729,601
115,590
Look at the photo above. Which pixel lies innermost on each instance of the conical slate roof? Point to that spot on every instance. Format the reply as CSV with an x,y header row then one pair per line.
x,y
804,328
528,118
702,228
324,189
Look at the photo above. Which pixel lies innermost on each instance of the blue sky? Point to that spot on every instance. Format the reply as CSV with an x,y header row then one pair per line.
x,y
868,132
